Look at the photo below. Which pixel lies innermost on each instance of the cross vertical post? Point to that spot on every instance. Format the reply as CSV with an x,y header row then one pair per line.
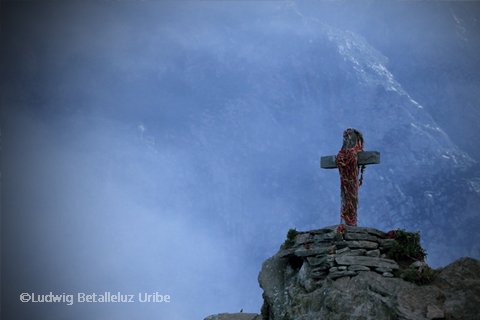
x,y
350,161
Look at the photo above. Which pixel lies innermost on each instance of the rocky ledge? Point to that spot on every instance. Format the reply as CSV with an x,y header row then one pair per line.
x,y
235,316
348,276
329,275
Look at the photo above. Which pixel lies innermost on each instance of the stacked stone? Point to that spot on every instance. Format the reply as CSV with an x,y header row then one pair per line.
x,y
334,255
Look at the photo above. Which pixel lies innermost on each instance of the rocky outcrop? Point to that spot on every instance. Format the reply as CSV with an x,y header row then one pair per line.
x,y
327,275
235,316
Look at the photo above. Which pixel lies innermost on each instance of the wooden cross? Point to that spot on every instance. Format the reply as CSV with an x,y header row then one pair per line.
x,y
352,146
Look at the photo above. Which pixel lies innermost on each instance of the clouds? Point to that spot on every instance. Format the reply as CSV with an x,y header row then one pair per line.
x,y
97,213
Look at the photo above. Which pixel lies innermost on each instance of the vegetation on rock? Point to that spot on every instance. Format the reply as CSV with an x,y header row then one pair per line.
x,y
422,276
292,233
407,249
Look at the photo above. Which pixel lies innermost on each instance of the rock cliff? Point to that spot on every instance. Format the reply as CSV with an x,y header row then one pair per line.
x,y
324,274
351,277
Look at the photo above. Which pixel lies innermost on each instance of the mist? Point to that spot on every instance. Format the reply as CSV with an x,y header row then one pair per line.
x,y
168,147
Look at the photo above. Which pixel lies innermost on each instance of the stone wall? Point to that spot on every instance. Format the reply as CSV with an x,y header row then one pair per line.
x,y
335,255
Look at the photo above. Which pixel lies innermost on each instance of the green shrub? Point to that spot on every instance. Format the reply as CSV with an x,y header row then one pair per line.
x,y
413,275
406,247
291,235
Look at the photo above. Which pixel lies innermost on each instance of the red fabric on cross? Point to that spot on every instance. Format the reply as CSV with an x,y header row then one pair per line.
x,y
346,161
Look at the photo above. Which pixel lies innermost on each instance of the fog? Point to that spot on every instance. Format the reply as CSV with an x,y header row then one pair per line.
x,y
167,147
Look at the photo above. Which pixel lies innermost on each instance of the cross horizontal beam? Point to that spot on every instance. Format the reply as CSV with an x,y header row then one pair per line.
x,y
364,158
